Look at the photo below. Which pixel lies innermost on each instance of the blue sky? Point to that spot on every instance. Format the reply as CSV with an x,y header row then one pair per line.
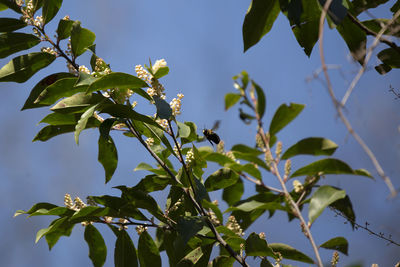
x,y
202,43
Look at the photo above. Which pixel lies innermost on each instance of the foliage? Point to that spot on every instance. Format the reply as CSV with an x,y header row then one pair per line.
x,y
191,224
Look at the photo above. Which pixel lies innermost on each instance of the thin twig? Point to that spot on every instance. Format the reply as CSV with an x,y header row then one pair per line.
x,y
368,57
357,225
368,31
339,106
274,169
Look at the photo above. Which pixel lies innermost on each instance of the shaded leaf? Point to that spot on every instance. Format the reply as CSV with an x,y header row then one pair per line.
x,y
161,72
12,5
67,119
81,39
223,261
97,247
11,24
125,252
231,99
37,206
316,146
50,9
376,26
328,166
221,179
290,253
256,246
322,198
21,68
106,126
359,6
13,42
188,226
346,208
40,86
337,243
164,110
148,253
78,103
191,258
81,125
64,29
183,130
59,89
390,57
233,193
85,79
258,21
152,183
246,149
108,156
51,130
355,38
283,116
261,101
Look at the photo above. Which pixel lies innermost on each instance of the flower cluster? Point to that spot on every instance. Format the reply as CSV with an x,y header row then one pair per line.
x,y
149,141
163,123
76,205
288,167
297,186
49,50
278,150
142,73
335,259
83,68
230,155
122,225
176,105
190,156
233,225
161,63
101,66
140,229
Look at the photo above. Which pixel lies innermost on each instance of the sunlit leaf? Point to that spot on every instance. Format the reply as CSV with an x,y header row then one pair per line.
x,y
108,156
81,125
283,116
21,68
50,9
64,29
337,243
221,179
231,99
258,21
256,246
81,39
290,253
316,146
322,198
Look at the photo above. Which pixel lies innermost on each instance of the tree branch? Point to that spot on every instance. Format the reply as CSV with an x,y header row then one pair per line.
x,y
339,106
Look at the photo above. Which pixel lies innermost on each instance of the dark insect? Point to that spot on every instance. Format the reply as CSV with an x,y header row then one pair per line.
x,y
211,136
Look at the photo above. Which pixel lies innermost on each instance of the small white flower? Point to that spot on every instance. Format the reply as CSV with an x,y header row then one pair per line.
x,y
159,64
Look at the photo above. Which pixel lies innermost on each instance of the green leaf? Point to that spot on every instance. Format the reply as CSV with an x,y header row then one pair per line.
x,y
231,99
124,252
200,190
223,261
193,133
81,125
42,85
265,263
64,29
261,101
50,9
251,158
81,39
316,146
337,243
376,26
164,110
395,7
346,208
59,89
11,24
256,246
355,38
148,253
21,68
328,166
322,198
191,258
210,205
390,57
304,17
50,131
221,179
161,72
37,206
246,149
152,183
67,119
290,253
57,228
337,11
108,156
12,5
383,68
188,226
283,116
85,79
97,247
122,81
252,170
258,21
183,130
106,126
359,6
78,103
233,193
